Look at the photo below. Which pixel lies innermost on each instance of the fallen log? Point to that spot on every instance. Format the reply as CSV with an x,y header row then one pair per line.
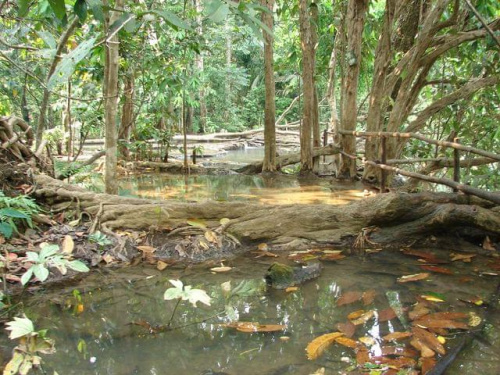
x,y
289,159
392,217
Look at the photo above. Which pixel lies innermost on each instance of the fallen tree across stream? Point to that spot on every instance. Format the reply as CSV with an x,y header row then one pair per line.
x,y
382,219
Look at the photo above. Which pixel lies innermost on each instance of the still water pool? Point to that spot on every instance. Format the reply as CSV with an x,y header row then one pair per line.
x,y
112,300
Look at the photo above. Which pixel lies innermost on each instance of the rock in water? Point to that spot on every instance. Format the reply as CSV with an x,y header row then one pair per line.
x,y
281,276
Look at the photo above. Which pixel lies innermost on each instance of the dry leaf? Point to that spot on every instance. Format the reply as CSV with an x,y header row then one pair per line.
x,y
418,311
474,319
262,247
428,257
350,343
320,371
488,244
348,298
425,351
364,318
440,323
466,258
427,364
386,315
291,289
362,355
108,258
331,257
146,249
211,236
355,314
415,277
224,221
367,340
316,347
399,351
266,254
160,265
256,327
221,269
369,296
347,328
428,339
394,336
448,315
68,245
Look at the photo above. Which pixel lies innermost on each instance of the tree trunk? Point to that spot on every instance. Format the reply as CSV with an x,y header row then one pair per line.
x,y
390,217
200,66
356,14
111,100
306,162
127,121
269,163
314,19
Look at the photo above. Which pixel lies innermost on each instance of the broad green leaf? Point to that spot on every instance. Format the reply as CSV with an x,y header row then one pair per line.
x,y
10,212
23,7
220,13
172,293
96,9
78,266
172,19
67,65
6,230
27,276
40,271
80,9
48,251
58,7
32,256
198,295
177,283
48,39
20,327
211,6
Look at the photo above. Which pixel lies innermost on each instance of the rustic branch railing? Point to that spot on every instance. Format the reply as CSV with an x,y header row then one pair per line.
x,y
456,163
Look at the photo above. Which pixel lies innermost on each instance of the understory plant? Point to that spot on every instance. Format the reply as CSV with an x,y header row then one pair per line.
x,y
15,211
185,293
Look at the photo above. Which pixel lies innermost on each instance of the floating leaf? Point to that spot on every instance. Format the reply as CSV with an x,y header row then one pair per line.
x,y
428,257
418,311
349,297
428,339
386,315
399,351
433,297
363,318
250,327
414,277
395,336
440,323
367,340
345,341
67,245
266,254
362,356
425,351
317,346
220,269
12,368
355,314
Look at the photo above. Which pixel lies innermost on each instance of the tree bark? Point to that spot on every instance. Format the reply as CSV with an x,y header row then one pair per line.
x,y
111,100
269,163
356,15
314,19
128,118
306,162
200,66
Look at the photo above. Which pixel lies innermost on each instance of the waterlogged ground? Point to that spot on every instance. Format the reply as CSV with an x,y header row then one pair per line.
x,y
94,335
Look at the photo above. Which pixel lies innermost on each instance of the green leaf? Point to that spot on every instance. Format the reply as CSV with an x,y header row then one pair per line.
x,y
20,327
48,39
12,367
67,65
10,212
27,276
78,266
32,256
58,7
23,7
48,251
172,19
172,293
96,9
6,230
40,272
198,223
80,9
220,13
198,295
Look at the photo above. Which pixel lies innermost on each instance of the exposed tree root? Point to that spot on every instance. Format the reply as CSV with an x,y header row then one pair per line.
x,y
397,217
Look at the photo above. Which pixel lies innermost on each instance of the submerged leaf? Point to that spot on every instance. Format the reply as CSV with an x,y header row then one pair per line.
x,y
414,277
395,336
349,297
350,343
317,346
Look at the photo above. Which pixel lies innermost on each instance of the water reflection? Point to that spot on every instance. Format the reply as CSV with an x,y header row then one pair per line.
x,y
114,300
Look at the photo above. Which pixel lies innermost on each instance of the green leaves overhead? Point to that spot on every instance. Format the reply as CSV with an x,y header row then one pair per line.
x,y
23,7
58,7
216,10
80,9
172,19
67,65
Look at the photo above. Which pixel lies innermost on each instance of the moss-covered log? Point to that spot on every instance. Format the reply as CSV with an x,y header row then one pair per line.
x,y
381,219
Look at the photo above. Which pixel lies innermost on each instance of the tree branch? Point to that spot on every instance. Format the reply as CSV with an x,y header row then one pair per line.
x,y
483,22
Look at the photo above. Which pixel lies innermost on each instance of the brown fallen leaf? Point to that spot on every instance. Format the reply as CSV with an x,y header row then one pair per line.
x,y
447,315
427,364
345,341
399,351
146,249
291,289
428,339
466,258
363,318
221,269
250,327
211,236
398,362
418,311
317,346
415,277
367,340
355,314
261,254
347,328
362,355
262,247
425,351
348,298
395,336
331,257
368,296
436,269
160,265
428,257
440,323
386,315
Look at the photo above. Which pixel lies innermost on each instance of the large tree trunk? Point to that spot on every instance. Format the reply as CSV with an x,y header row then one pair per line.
x,y
111,100
306,162
128,118
356,15
314,19
200,66
269,164
382,219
